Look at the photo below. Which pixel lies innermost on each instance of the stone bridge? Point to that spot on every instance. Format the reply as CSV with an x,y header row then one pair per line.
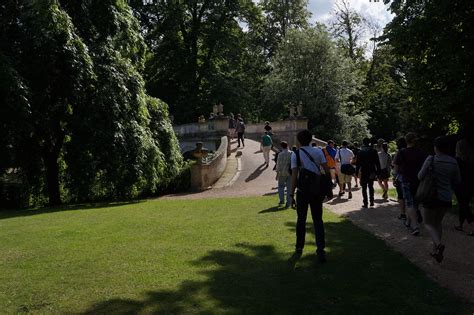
x,y
213,133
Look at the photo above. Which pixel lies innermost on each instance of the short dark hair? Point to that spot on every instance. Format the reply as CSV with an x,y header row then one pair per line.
x,y
313,144
304,137
345,143
411,138
442,144
401,143
284,144
385,147
330,142
366,141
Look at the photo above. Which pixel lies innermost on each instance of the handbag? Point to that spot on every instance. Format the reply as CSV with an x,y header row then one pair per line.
x,y
427,192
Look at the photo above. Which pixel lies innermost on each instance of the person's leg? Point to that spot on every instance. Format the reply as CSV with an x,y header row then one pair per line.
x,y
431,226
281,189
316,204
410,208
288,191
333,176
239,136
463,203
364,184
348,179
301,211
243,137
356,181
371,192
401,202
266,154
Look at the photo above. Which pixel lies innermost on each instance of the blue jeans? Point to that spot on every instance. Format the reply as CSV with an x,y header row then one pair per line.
x,y
282,183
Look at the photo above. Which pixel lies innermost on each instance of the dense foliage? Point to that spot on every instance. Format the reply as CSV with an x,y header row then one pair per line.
x,y
86,84
433,45
78,123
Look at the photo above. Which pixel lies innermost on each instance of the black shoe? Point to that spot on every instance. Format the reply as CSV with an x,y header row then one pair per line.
x,y
364,205
371,203
322,257
402,217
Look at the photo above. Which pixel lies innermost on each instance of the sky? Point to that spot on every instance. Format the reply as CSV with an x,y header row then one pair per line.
x,y
322,10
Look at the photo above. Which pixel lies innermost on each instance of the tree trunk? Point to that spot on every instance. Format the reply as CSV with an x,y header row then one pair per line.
x,y
52,178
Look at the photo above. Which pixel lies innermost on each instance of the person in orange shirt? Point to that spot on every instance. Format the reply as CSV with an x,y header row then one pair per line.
x,y
330,154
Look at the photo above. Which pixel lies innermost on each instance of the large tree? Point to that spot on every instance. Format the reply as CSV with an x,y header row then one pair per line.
x,y
433,42
197,53
83,105
309,69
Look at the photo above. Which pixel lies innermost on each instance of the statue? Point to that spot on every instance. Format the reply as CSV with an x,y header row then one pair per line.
x,y
215,110
220,109
299,109
201,119
200,151
292,111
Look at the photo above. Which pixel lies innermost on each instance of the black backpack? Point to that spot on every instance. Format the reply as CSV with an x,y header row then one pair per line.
x,y
308,183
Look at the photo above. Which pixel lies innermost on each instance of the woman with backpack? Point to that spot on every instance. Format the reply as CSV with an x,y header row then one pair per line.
x,y
445,175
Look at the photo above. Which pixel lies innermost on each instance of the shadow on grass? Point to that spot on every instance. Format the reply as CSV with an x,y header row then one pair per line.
x,y
274,209
361,276
7,214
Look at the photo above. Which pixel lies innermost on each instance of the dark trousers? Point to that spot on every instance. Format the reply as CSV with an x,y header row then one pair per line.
x,y
240,136
316,205
370,184
464,195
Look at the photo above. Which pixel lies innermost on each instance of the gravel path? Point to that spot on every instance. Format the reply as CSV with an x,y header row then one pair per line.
x,y
248,177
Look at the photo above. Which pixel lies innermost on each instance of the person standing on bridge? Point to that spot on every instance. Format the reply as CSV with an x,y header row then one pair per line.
x,y
267,145
306,175
231,126
240,128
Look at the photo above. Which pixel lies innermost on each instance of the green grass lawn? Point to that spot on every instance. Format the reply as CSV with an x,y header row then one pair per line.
x,y
207,256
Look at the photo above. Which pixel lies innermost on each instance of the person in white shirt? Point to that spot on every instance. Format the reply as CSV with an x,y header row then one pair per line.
x,y
308,160
344,157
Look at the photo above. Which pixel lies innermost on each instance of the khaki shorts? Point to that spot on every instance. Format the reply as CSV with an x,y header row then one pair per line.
x,y
344,178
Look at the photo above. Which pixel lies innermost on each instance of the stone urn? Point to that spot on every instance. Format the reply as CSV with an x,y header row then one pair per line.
x,y
199,152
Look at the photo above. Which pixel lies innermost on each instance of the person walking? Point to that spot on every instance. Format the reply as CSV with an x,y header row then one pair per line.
x,y
367,168
306,166
446,176
385,166
344,158
397,180
267,145
408,163
268,129
232,124
283,170
355,149
330,156
240,128
465,190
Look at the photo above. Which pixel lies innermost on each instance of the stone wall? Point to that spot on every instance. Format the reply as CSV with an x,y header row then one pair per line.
x,y
204,175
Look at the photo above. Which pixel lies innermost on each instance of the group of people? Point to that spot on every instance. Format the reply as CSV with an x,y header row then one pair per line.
x,y
313,172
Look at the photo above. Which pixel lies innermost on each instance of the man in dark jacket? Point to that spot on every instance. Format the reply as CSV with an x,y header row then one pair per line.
x,y
367,168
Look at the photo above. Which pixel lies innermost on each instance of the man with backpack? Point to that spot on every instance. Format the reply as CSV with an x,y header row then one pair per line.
x,y
306,174
367,169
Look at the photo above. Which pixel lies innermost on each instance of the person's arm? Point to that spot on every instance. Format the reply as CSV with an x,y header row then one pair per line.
x,y
377,161
457,176
357,164
424,168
